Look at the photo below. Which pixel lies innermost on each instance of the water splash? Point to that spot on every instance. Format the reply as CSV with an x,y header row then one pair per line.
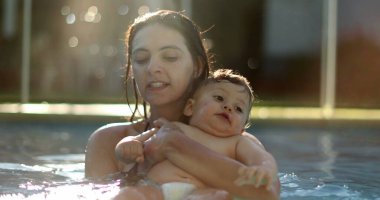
x,y
294,187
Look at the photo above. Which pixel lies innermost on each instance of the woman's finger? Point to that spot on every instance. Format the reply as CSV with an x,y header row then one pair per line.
x,y
160,122
146,135
259,179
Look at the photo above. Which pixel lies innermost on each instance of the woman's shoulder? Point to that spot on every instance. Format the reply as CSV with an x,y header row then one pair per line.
x,y
112,127
116,130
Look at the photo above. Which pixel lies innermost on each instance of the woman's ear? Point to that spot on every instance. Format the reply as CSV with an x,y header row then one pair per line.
x,y
188,111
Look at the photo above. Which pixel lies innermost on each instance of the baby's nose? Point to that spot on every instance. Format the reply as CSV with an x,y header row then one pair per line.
x,y
227,108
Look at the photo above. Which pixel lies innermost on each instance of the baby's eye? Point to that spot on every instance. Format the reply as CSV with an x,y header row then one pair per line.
x,y
239,109
218,98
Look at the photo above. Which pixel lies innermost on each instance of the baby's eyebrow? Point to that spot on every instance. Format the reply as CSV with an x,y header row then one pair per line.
x,y
242,100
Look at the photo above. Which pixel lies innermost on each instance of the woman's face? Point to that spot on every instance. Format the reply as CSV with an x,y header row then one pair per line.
x,y
162,64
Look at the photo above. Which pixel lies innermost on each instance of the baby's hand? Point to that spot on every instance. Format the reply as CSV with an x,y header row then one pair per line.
x,y
255,175
130,150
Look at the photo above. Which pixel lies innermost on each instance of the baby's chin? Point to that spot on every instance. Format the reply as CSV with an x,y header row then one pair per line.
x,y
223,133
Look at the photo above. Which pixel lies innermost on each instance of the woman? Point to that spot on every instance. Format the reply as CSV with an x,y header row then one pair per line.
x,y
167,59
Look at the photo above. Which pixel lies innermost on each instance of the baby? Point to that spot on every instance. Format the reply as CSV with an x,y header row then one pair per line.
x,y
218,114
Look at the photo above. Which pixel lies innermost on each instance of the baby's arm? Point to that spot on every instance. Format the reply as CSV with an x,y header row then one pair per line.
x,y
130,149
260,166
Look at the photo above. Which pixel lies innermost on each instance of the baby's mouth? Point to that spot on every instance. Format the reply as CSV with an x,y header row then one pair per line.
x,y
225,116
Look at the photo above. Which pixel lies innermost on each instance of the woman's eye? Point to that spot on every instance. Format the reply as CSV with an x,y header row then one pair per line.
x,y
140,59
171,58
170,55
218,98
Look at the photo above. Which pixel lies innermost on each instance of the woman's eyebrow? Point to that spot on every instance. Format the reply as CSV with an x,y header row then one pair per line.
x,y
170,47
139,50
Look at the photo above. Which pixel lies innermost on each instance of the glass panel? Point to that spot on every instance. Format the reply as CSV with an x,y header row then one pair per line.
x,y
275,43
10,48
358,60
77,51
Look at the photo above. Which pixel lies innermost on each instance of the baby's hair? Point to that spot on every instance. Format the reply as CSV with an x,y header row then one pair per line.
x,y
232,77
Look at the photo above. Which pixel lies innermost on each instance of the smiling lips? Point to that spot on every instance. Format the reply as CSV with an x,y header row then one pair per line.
x,y
157,85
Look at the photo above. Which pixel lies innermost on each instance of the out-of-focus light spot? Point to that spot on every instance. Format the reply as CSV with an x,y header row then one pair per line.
x,y
109,51
92,15
208,43
98,17
93,9
123,10
70,19
251,63
89,17
143,9
94,49
73,41
65,10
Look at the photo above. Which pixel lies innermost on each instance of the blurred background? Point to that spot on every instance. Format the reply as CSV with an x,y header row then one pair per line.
x,y
296,53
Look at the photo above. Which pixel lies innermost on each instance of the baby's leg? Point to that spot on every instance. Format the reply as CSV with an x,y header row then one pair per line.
x,y
139,193
209,194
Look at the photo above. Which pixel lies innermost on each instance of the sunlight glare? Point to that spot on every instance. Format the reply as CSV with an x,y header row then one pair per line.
x,y
70,19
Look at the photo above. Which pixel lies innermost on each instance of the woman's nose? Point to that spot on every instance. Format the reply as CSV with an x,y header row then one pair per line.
x,y
154,66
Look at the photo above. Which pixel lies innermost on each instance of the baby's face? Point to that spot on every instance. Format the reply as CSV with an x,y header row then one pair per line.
x,y
220,109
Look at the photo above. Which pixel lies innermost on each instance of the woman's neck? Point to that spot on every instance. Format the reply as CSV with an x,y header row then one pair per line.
x,y
171,113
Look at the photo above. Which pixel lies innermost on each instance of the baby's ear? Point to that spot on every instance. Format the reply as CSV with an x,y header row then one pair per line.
x,y
188,111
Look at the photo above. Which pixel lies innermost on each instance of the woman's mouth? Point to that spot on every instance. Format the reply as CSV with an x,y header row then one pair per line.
x,y
156,85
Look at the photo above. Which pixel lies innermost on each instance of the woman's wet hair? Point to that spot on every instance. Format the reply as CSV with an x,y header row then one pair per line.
x,y
193,40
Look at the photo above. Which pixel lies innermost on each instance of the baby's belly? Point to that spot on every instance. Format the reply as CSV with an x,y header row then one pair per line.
x,y
165,172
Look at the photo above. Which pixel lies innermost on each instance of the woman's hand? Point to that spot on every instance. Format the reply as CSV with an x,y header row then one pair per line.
x,y
256,175
156,147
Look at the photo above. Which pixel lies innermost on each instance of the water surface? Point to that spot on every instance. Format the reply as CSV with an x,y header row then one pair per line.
x,y
45,160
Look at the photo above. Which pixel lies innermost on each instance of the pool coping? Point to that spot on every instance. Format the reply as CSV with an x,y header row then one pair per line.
x,y
120,112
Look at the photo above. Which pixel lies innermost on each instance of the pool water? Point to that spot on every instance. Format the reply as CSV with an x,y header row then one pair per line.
x,y
45,160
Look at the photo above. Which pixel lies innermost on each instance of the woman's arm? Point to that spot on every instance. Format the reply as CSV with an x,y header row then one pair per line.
x,y
100,159
212,168
261,167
